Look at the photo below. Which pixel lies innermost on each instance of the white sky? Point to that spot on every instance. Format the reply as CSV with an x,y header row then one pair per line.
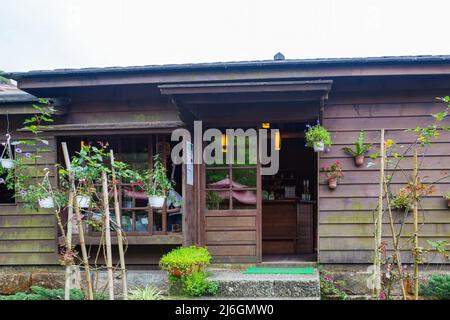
x,y
49,34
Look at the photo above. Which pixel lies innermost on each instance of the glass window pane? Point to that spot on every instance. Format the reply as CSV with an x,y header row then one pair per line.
x,y
217,178
141,221
244,178
217,200
127,221
244,199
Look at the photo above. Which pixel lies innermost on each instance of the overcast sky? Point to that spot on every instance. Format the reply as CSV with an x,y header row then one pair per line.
x,y
49,34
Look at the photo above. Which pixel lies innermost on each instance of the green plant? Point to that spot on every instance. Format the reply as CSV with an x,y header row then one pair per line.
x,y
447,195
331,288
213,200
146,293
185,259
196,284
334,171
360,147
438,287
40,293
317,133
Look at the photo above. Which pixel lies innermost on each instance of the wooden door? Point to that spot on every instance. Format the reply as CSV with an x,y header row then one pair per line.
x,y
231,209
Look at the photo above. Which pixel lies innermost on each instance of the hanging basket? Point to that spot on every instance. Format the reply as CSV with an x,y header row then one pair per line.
x,y
156,201
6,160
318,146
47,203
359,160
332,183
83,201
7,163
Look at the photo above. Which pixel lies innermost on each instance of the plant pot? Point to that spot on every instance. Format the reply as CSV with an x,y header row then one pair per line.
x,y
156,201
332,183
359,160
7,163
448,203
127,204
83,201
46,203
318,146
176,272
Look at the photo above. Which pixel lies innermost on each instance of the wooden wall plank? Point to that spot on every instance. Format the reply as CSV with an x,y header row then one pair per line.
x,y
364,204
367,230
358,217
16,246
230,236
349,243
364,257
45,233
23,221
28,258
232,250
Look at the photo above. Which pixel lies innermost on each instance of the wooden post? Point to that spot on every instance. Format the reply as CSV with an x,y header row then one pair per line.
x,y
416,227
67,286
108,236
379,221
119,230
81,236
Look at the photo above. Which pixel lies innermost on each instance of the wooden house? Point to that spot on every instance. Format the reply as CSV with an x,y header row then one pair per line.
x,y
136,109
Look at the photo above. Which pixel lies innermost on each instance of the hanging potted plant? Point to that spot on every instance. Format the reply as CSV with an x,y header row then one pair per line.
x,y
317,137
360,149
333,174
403,199
158,185
6,158
447,197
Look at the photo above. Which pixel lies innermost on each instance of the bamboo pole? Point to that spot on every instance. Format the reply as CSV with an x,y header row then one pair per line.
x,y
119,230
108,236
395,242
82,242
67,286
416,228
379,220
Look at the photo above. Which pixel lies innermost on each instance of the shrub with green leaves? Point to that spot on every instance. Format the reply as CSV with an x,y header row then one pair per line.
x,y
331,288
317,134
438,287
196,284
185,259
40,293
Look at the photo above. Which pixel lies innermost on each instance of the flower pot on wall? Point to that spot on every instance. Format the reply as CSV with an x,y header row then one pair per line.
x,y
318,146
359,160
7,163
46,203
83,201
332,183
156,201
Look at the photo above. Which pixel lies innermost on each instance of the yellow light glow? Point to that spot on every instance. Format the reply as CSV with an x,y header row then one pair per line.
x,y
265,125
277,140
224,142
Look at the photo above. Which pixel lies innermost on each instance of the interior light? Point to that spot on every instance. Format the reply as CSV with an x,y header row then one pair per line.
x,y
224,142
265,125
277,140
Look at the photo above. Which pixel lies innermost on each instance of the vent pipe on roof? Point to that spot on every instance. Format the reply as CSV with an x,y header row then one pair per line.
x,y
278,56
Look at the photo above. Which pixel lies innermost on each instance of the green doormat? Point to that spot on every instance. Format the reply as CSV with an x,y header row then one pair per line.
x,y
256,270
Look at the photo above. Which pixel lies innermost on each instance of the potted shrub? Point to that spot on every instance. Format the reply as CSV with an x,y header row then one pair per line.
x,y
156,184
333,174
447,197
403,199
185,260
317,137
360,149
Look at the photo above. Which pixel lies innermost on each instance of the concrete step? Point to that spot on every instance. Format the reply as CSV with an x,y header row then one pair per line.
x,y
233,283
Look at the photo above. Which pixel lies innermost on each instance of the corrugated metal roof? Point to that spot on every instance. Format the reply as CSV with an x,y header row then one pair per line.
x,y
424,59
11,94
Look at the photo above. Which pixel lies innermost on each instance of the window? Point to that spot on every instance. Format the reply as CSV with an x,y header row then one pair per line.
x,y
231,186
137,151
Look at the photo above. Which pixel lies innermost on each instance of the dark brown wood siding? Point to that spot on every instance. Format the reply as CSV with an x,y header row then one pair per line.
x,y
346,214
28,237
